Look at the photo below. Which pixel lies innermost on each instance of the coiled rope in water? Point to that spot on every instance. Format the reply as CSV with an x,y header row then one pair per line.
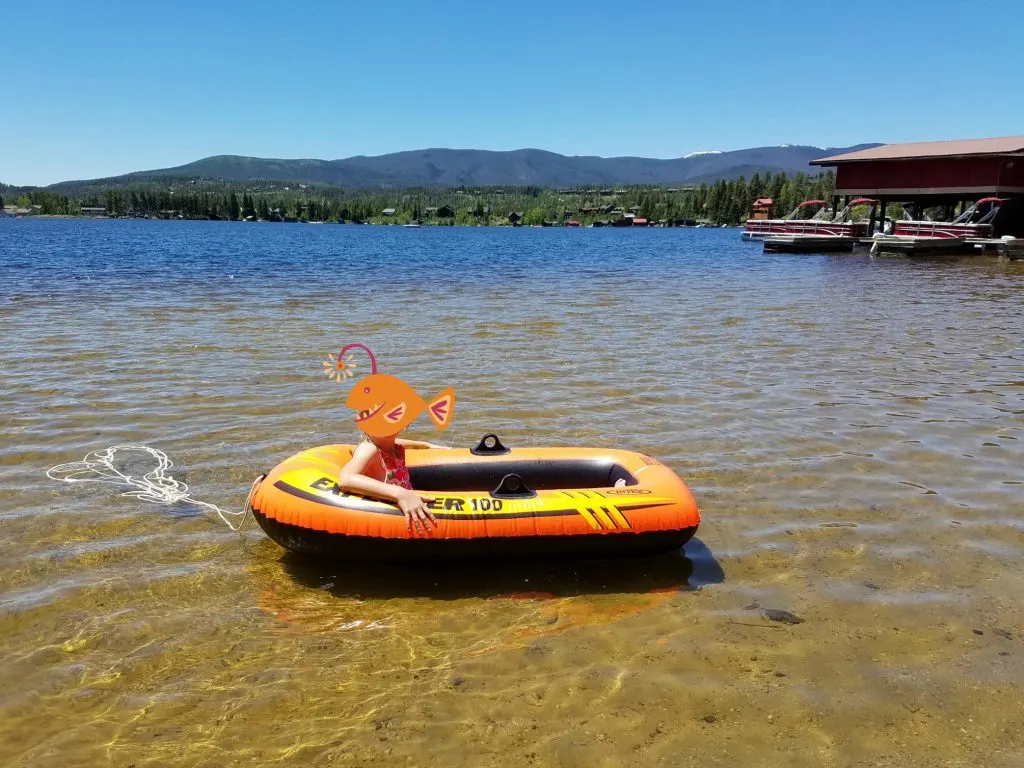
x,y
155,486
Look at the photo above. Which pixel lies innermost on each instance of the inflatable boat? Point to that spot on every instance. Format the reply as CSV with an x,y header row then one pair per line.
x,y
488,501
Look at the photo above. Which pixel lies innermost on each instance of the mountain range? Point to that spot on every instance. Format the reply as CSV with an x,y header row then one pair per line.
x,y
475,167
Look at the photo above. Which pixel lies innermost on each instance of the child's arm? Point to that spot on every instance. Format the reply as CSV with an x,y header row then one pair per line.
x,y
417,444
353,478
412,504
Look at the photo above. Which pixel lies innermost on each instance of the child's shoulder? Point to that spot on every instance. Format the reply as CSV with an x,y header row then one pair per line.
x,y
364,449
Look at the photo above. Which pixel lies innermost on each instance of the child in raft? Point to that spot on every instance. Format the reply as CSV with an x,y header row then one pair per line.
x,y
377,468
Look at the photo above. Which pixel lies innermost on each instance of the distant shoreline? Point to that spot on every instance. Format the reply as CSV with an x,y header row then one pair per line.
x,y
424,225
725,202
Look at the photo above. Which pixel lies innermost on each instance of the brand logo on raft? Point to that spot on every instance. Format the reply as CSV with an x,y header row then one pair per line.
x,y
628,491
482,504
324,484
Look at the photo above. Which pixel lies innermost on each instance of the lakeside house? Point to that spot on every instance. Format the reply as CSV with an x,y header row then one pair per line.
x,y
16,211
388,212
94,211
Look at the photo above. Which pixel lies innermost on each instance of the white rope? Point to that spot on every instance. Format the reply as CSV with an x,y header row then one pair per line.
x,y
155,486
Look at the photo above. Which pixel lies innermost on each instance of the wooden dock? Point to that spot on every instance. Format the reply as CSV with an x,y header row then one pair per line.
x,y
809,244
1014,249
936,246
898,245
919,247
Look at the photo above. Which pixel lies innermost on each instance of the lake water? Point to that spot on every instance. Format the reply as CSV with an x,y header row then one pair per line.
x,y
852,430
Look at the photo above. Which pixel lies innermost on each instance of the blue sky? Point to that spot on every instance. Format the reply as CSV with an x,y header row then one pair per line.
x,y
102,88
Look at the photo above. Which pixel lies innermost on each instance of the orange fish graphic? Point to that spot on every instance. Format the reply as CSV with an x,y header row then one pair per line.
x,y
385,405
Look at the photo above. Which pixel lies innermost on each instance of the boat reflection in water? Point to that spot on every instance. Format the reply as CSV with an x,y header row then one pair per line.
x,y
517,600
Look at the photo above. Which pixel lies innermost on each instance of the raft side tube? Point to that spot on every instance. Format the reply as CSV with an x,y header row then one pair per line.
x,y
528,501
342,547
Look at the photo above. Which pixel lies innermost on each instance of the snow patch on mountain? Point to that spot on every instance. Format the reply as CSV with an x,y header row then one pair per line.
x,y
703,152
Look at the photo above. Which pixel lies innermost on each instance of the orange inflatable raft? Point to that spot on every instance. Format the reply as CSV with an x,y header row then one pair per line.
x,y
488,501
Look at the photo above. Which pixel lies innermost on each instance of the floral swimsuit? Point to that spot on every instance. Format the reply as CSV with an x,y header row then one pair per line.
x,y
395,471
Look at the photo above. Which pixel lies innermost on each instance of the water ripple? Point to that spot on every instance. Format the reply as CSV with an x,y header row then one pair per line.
x,y
851,429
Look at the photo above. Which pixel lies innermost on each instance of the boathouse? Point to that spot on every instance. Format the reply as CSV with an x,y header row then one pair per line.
x,y
762,208
944,174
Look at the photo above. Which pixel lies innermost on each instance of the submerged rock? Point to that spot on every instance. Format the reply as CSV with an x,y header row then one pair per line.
x,y
777,614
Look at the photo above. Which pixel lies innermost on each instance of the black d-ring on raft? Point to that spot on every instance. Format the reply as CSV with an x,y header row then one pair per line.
x,y
489,445
513,487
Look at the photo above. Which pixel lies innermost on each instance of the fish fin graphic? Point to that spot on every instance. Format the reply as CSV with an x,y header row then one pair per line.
x,y
440,408
395,414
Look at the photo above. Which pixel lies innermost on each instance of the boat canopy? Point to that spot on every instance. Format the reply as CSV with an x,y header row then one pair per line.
x,y
843,214
966,216
807,204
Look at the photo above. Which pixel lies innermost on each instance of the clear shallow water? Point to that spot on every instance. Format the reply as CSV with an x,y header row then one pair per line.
x,y
853,430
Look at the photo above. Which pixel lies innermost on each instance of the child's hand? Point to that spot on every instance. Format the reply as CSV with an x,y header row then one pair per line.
x,y
417,514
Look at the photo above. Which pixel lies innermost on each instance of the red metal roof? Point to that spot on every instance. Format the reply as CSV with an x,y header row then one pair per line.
x,y
763,201
1007,145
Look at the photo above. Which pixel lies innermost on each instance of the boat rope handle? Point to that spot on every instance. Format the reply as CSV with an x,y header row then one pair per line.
x,y
155,486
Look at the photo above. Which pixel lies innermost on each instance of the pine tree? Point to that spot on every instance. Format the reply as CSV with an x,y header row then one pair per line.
x,y
756,189
233,208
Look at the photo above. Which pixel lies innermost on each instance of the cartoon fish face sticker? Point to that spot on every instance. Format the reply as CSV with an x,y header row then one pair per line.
x,y
385,405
